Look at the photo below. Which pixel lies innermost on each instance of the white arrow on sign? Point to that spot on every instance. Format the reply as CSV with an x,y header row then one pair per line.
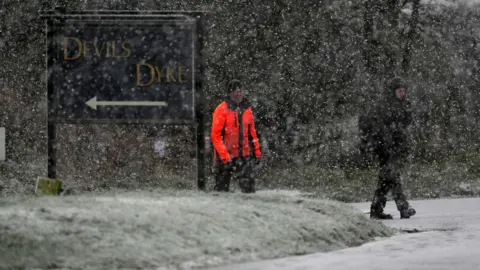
x,y
94,103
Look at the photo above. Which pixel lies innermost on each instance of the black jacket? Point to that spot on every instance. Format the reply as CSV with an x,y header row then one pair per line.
x,y
383,129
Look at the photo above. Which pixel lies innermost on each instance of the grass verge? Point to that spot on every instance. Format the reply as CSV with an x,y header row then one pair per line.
x,y
456,177
173,230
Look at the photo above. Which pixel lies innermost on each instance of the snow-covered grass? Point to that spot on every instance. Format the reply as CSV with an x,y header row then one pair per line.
x,y
167,230
456,177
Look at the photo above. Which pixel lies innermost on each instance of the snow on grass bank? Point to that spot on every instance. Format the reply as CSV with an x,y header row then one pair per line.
x,y
167,230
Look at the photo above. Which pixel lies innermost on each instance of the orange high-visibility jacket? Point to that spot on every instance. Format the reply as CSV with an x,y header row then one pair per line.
x,y
233,129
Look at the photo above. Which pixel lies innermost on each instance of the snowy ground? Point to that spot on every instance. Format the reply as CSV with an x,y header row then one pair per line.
x,y
451,241
173,230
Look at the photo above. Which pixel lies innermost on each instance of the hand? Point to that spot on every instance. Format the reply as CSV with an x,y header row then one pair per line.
x,y
229,166
364,148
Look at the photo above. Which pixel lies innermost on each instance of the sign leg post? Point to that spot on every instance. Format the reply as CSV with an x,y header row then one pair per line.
x,y
200,134
52,151
201,181
51,124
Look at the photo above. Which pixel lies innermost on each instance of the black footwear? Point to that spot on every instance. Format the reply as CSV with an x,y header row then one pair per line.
x,y
374,215
247,185
407,213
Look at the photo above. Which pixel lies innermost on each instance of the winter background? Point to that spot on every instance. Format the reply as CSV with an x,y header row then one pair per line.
x,y
311,68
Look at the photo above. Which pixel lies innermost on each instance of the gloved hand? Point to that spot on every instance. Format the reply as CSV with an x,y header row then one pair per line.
x,y
365,146
230,165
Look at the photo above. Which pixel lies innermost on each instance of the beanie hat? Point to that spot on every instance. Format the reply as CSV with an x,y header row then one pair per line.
x,y
233,85
396,82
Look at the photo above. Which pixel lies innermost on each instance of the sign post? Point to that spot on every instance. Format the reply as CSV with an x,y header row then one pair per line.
x,y
3,145
125,67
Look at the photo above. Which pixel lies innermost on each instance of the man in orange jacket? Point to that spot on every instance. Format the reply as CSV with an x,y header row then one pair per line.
x,y
235,140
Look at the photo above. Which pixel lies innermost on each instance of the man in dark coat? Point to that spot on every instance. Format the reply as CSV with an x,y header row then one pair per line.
x,y
383,133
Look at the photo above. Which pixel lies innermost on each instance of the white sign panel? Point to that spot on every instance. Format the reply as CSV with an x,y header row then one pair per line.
x,y
2,143
160,148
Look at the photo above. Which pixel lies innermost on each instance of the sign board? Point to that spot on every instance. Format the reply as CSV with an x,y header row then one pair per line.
x,y
123,70
124,67
2,144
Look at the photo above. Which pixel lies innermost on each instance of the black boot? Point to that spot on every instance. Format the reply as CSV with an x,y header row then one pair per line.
x,y
247,185
376,212
407,212
374,215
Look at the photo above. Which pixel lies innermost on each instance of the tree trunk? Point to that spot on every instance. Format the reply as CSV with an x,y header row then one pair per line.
x,y
369,47
392,13
410,37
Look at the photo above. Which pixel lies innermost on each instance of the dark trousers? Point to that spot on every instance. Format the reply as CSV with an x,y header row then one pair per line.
x,y
389,180
242,171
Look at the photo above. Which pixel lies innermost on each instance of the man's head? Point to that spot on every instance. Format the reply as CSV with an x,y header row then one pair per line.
x,y
235,90
398,86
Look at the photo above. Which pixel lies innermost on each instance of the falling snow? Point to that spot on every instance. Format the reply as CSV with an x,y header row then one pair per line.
x,y
311,69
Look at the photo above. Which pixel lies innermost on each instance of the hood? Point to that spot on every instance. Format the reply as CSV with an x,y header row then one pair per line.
x,y
395,83
392,85
233,105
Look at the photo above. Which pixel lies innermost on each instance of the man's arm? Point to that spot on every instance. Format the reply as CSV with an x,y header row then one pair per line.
x,y
218,124
401,136
256,143
366,130
408,114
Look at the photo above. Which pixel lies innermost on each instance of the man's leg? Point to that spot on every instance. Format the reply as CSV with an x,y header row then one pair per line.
x,y
406,211
222,179
246,179
380,196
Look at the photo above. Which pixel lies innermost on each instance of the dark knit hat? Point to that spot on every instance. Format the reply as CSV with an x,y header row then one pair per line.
x,y
233,85
396,82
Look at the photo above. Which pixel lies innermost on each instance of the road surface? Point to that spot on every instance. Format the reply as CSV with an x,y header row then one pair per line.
x,y
449,238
